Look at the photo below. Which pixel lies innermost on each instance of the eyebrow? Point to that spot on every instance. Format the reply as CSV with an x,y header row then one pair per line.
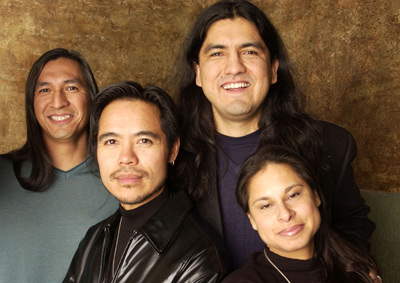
x,y
288,189
138,134
255,44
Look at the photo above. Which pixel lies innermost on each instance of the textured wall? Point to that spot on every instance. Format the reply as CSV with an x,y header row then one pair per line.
x,y
346,53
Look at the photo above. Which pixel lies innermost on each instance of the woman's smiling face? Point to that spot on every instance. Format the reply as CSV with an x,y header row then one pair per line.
x,y
284,211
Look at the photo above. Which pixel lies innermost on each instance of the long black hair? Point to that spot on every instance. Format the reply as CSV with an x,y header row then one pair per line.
x,y
338,259
283,120
34,149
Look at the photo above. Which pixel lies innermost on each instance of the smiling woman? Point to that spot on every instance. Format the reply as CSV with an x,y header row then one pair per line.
x,y
284,211
279,193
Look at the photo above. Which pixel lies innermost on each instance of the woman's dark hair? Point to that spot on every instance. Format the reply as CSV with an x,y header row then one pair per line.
x,y
134,91
282,119
34,149
339,260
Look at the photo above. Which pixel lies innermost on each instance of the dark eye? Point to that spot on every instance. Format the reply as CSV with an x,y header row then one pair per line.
x,y
72,88
145,141
265,206
251,52
110,142
216,54
294,195
44,90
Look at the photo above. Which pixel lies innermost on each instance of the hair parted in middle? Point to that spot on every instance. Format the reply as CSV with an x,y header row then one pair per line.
x,y
339,260
34,149
282,121
129,90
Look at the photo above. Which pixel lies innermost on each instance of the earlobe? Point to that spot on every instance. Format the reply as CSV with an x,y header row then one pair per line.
x,y
253,224
196,68
317,198
274,70
174,150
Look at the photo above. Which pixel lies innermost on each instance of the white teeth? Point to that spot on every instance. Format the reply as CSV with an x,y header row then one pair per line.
x,y
60,118
235,85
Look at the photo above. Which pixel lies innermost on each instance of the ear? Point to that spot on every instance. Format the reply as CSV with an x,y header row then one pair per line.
x,y
274,71
174,150
196,68
317,199
252,222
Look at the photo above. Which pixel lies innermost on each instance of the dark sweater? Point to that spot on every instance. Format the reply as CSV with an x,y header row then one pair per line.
x,y
241,240
259,270
344,203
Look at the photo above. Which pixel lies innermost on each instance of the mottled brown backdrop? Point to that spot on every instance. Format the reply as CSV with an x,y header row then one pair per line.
x,y
346,52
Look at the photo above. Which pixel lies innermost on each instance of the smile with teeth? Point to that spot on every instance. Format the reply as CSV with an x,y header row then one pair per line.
x,y
235,85
60,118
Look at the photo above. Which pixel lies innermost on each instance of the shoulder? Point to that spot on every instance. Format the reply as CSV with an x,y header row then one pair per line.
x,y
8,180
203,249
338,142
5,163
254,271
335,134
97,230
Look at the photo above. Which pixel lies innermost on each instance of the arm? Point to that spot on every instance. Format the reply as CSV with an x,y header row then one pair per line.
x,y
71,274
205,266
347,207
88,261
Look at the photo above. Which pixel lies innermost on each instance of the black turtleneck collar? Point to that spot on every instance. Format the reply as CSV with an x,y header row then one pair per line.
x,y
135,218
132,220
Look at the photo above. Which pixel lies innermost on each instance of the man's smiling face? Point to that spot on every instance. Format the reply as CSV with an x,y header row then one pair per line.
x,y
235,70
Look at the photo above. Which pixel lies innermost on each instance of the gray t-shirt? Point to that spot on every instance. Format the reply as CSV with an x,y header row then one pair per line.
x,y
40,231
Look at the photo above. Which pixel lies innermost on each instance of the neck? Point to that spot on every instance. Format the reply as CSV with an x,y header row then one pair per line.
x,y
236,128
149,198
301,254
67,155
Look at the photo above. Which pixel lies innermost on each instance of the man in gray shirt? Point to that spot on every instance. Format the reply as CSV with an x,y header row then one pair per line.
x,y
48,194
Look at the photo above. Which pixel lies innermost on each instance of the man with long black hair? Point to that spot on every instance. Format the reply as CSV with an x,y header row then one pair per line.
x,y
48,194
237,93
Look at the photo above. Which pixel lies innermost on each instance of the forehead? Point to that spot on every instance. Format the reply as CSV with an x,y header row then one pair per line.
x,y
130,115
61,67
273,178
226,28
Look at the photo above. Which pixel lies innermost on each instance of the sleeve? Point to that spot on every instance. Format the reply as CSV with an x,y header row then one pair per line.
x,y
205,266
349,213
70,276
86,264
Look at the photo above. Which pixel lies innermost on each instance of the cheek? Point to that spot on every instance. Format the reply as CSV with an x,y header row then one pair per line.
x,y
104,161
82,104
37,106
262,71
311,211
154,160
265,226
317,219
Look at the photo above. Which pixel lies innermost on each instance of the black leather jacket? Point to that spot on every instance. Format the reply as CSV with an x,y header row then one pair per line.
x,y
171,247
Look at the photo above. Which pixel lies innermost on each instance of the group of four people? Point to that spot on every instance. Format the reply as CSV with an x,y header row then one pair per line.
x,y
297,214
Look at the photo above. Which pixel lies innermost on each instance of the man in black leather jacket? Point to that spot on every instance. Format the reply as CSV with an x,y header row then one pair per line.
x,y
154,236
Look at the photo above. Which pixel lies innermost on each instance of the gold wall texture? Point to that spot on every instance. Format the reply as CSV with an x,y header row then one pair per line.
x,y
346,52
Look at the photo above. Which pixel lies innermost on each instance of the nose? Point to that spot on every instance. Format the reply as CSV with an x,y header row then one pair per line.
x,y
59,99
285,213
127,155
234,64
